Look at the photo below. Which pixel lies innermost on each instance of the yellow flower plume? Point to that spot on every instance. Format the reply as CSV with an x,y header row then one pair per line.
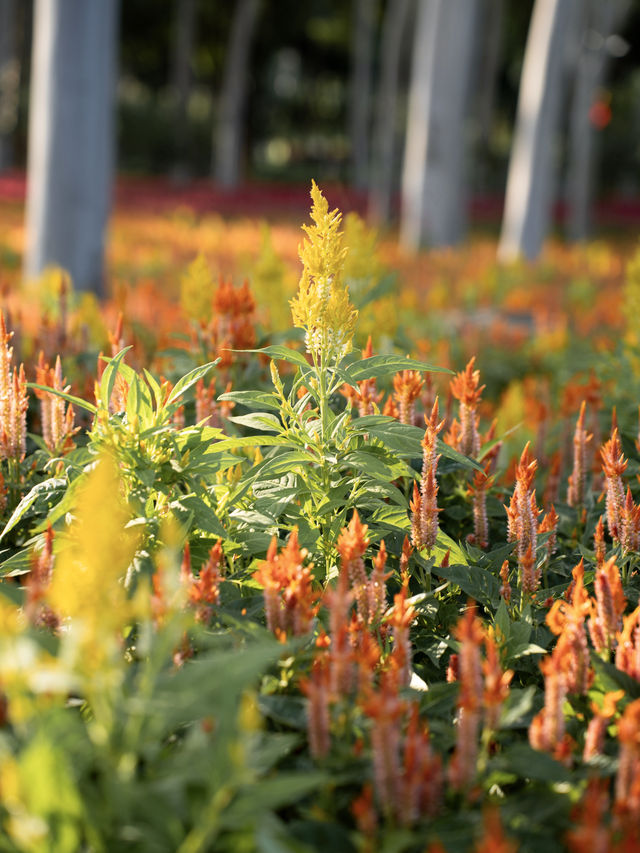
x,y
322,307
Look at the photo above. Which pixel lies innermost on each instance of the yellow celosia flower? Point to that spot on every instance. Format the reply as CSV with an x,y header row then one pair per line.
x,y
196,290
322,306
87,585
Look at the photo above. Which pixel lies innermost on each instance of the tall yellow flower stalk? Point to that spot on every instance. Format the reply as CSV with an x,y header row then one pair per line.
x,y
322,307
87,590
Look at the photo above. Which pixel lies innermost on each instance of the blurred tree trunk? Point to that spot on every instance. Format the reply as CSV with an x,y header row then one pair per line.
x,y
492,14
229,131
71,137
599,21
381,182
531,178
184,38
433,174
9,80
363,30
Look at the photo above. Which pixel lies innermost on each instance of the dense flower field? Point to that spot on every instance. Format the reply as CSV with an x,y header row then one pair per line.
x,y
271,584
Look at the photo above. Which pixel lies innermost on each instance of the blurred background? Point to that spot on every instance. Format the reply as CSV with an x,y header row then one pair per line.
x,y
435,119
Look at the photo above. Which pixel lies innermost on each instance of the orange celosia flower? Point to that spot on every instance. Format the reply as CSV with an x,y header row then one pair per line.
x,y
610,603
400,618
466,388
203,591
596,730
469,633
628,645
316,689
590,832
37,611
385,709
522,520
629,524
613,466
577,478
627,788
505,589
496,682
289,595
407,386
57,424
424,508
352,544
567,620
599,543
493,839
482,482
421,778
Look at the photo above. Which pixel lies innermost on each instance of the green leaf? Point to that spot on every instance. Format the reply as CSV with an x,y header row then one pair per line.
x,y
259,421
70,398
530,763
386,365
445,543
610,678
477,583
190,379
46,488
369,462
282,353
261,399
250,441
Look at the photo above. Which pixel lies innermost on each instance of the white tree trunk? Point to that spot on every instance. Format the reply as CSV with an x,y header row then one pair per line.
x,y
531,178
599,21
9,81
184,36
381,182
71,137
433,174
363,30
229,132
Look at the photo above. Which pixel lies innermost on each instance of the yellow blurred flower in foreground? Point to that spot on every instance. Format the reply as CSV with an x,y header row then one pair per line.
x,y
87,587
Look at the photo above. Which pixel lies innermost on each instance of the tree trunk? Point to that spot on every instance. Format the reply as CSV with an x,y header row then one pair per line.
x,y
360,92
432,180
9,81
381,182
492,15
229,133
184,38
71,138
531,179
599,21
